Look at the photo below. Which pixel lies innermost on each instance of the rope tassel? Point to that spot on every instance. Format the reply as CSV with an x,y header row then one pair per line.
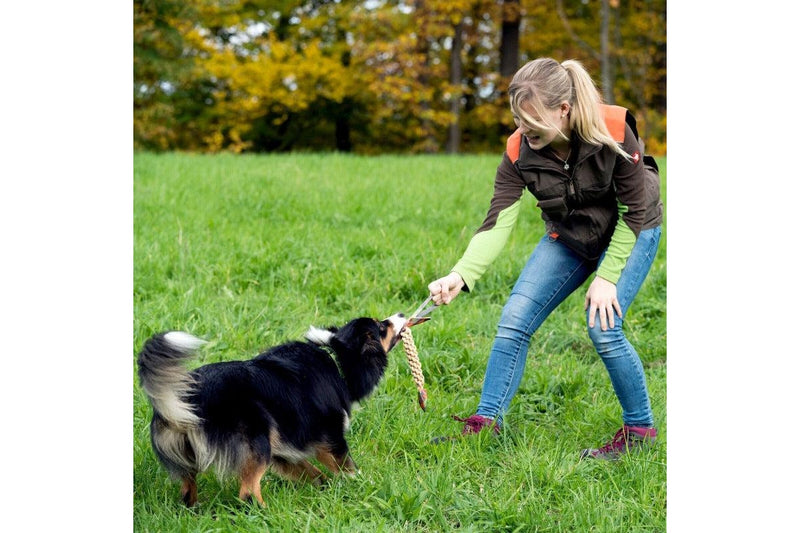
x,y
416,368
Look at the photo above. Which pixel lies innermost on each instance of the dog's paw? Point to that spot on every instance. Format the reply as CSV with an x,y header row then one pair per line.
x,y
352,474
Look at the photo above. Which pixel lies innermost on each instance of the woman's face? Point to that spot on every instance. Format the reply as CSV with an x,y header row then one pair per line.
x,y
539,137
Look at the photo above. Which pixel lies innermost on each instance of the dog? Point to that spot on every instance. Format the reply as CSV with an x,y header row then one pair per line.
x,y
276,411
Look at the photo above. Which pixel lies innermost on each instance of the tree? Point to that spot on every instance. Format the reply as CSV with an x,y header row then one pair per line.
x,y
375,76
627,47
159,68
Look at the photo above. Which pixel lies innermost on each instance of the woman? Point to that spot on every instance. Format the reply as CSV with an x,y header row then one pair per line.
x,y
600,200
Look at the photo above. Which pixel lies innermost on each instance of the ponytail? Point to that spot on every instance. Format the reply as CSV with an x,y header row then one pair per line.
x,y
585,117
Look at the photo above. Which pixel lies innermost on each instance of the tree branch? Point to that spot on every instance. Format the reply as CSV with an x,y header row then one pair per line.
x,y
574,36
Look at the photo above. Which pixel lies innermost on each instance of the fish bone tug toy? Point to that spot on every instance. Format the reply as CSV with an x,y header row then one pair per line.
x,y
419,316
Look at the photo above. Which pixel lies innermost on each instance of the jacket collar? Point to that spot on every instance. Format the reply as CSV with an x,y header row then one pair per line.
x,y
530,158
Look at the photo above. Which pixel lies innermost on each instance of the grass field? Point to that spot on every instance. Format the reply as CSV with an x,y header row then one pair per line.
x,y
248,251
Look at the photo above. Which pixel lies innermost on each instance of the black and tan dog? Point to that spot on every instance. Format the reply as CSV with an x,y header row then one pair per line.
x,y
278,410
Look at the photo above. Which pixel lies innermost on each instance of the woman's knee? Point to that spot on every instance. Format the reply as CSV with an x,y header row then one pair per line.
x,y
605,340
516,311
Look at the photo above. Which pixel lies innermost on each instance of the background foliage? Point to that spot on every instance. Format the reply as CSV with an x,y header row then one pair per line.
x,y
377,75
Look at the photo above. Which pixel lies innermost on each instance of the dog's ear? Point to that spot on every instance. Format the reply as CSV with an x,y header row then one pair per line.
x,y
372,346
319,336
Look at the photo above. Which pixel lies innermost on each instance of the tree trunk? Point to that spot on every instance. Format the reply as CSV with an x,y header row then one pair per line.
x,y
606,74
509,38
456,68
428,143
343,143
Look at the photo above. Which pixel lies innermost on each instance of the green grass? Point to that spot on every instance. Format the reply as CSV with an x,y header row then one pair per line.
x,y
248,251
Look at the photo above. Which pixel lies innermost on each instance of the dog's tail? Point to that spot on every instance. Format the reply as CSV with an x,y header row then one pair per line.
x,y
164,377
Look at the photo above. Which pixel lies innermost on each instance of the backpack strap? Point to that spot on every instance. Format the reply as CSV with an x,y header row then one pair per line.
x,y
512,145
615,118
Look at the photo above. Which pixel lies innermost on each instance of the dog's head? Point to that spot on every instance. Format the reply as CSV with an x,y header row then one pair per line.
x,y
361,346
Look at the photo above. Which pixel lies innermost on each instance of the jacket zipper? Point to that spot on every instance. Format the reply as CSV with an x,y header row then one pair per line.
x,y
569,174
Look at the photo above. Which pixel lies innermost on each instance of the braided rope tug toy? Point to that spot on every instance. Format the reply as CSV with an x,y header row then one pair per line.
x,y
418,317
416,367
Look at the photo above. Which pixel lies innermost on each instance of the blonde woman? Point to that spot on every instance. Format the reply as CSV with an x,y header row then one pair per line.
x,y
599,197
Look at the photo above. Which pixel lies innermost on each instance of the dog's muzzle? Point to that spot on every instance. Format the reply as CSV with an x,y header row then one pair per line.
x,y
398,322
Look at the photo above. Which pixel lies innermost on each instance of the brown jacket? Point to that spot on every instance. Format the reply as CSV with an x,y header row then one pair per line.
x,y
581,204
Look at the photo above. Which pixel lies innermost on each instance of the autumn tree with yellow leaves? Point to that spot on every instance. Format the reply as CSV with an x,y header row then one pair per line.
x,y
375,76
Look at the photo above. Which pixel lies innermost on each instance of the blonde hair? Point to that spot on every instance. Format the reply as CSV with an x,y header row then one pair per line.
x,y
545,83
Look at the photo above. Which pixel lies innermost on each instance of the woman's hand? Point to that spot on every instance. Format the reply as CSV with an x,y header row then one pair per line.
x,y
445,289
602,297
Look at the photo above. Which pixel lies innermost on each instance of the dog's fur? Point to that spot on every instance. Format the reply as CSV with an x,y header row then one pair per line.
x,y
278,410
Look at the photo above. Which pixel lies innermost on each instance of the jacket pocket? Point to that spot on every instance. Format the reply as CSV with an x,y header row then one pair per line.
x,y
555,208
588,231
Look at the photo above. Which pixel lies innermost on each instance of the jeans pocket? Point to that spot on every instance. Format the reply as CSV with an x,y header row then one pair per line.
x,y
655,238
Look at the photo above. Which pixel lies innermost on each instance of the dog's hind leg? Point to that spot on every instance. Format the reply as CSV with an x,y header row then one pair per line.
x,y
250,475
189,490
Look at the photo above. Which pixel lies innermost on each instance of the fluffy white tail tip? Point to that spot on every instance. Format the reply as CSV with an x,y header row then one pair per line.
x,y
183,341
319,336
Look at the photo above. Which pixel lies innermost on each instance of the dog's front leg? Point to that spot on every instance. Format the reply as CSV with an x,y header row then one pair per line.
x,y
300,471
312,473
341,462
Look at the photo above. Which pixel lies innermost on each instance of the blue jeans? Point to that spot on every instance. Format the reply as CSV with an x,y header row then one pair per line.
x,y
552,273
